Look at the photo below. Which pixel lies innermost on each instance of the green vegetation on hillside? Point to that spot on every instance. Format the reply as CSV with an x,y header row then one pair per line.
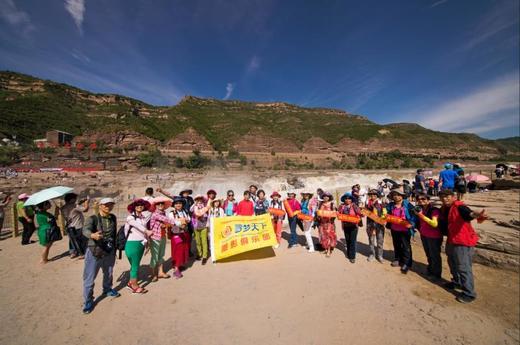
x,y
29,107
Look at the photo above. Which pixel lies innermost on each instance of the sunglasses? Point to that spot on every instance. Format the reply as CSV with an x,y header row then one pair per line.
x,y
231,195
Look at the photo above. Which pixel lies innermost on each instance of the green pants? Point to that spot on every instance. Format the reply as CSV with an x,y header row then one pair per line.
x,y
134,252
157,248
201,237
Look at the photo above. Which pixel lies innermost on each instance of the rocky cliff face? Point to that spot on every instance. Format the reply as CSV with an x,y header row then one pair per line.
x,y
210,124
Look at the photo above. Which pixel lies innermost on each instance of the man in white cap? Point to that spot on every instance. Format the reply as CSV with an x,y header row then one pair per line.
x,y
100,229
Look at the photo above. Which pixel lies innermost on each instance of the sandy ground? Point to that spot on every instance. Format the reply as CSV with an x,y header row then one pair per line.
x,y
287,297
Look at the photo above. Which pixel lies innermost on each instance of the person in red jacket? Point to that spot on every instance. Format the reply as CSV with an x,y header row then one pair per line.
x,y
246,206
455,220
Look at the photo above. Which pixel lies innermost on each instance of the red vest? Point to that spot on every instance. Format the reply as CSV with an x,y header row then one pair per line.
x,y
460,232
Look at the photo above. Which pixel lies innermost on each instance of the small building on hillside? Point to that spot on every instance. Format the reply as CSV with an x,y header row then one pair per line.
x,y
58,138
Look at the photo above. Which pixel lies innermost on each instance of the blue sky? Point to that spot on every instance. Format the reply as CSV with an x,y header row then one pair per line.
x,y
449,65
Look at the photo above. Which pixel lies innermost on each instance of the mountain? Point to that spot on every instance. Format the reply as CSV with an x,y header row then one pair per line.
x,y
30,106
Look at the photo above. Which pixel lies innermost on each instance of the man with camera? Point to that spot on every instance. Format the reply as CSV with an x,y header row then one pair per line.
x,y
100,229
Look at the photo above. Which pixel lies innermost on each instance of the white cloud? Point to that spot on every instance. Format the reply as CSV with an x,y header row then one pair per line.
x,y
254,64
229,90
503,17
11,14
80,56
76,8
493,106
440,2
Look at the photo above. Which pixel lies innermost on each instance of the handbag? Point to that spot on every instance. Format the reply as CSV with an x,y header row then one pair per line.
x,y
53,233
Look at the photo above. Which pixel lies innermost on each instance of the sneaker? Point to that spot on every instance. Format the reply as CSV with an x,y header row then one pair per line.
x,y
464,299
451,286
379,259
112,293
395,263
177,274
404,269
204,261
276,246
371,258
352,261
88,307
311,250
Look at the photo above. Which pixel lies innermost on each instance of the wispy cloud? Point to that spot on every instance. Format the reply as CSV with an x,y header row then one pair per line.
x,y
440,2
76,8
490,107
17,18
504,16
230,87
253,64
76,54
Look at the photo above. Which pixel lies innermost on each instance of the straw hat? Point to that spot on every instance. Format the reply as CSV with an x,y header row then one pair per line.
x,y
161,199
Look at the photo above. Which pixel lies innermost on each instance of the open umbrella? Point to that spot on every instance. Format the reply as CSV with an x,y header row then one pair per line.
x,y
477,178
47,194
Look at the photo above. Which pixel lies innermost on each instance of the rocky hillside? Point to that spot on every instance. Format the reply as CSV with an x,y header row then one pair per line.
x,y
30,106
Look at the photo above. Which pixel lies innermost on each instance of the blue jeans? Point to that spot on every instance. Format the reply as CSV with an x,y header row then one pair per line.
x,y
92,266
293,221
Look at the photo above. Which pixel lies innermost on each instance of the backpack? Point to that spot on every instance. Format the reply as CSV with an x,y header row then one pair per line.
x,y
121,239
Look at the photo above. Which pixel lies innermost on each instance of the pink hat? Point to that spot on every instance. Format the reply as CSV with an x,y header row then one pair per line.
x,y
275,194
160,199
23,196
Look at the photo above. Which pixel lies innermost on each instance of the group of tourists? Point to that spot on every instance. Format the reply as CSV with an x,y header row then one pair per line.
x,y
153,220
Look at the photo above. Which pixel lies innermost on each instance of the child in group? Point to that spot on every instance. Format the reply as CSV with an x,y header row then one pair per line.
x,y
180,237
327,228
261,203
200,227
230,204
276,203
246,207
349,207
309,210
375,231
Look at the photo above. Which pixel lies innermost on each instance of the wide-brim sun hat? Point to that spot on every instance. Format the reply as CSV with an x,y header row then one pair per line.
x,y
161,199
178,199
211,191
329,194
307,193
373,192
137,202
398,190
216,200
291,193
346,196
189,191
275,194
199,196
23,196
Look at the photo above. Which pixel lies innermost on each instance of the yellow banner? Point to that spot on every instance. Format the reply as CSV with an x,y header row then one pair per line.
x,y
238,234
